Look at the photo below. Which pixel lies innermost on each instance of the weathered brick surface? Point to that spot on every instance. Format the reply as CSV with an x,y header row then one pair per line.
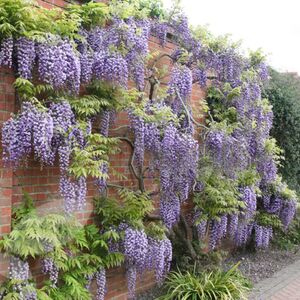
x,y
42,183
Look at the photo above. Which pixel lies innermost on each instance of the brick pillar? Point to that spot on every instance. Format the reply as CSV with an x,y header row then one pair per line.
x,y
7,104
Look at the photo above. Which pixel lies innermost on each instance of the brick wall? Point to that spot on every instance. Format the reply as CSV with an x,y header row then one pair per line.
x,y
42,183
7,102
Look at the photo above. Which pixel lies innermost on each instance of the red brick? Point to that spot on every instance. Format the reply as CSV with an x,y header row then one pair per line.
x,y
6,192
60,3
5,211
45,5
4,229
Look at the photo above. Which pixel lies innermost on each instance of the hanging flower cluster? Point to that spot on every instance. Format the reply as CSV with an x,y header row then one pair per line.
x,y
238,142
19,272
49,132
174,155
143,253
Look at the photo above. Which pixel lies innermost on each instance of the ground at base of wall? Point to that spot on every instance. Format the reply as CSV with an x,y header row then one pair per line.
x,y
283,285
152,294
255,265
263,263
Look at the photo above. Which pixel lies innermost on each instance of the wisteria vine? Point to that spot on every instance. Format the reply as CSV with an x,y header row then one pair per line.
x,y
227,165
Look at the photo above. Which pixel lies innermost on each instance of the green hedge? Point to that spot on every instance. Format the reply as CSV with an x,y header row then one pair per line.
x,y
283,91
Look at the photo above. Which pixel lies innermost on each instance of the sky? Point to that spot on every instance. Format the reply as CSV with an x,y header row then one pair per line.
x,y
273,26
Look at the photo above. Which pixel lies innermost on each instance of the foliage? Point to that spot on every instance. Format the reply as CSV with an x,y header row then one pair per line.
x,y
272,149
88,161
220,103
17,17
284,93
75,250
20,18
282,188
86,258
248,177
144,246
215,43
220,194
207,285
90,14
207,261
25,209
155,8
28,91
137,8
290,239
266,219
131,209
156,230
26,239
88,105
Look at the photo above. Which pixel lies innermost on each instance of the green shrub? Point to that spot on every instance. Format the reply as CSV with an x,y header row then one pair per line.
x,y
214,285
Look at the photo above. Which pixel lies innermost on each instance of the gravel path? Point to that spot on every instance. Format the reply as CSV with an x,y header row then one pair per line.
x,y
257,266
283,285
264,263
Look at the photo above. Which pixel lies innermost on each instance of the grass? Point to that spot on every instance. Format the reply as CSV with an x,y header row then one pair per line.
x,y
213,285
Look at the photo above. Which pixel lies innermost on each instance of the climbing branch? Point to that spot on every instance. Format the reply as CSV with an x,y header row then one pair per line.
x,y
207,77
185,241
138,176
153,217
117,186
153,82
158,58
189,115
120,127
